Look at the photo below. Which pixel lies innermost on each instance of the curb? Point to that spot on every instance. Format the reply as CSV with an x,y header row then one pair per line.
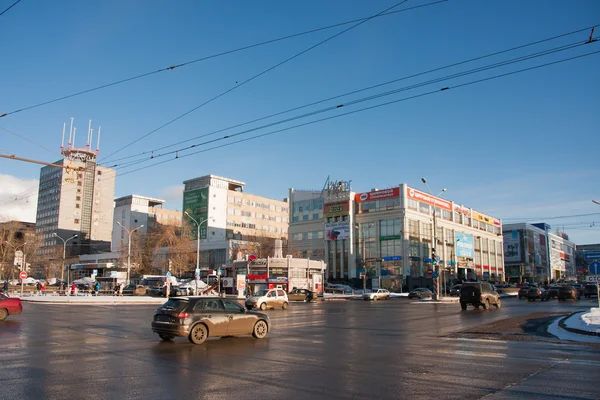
x,y
562,325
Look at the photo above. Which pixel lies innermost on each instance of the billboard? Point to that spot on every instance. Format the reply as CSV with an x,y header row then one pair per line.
x,y
195,202
336,209
337,230
377,195
512,246
465,246
428,199
485,219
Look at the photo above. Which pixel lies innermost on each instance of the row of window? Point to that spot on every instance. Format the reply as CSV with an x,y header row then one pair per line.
x,y
308,217
265,228
304,206
308,235
252,203
259,216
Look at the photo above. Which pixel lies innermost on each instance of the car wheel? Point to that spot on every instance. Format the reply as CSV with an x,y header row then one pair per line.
x,y
199,334
486,304
374,298
260,329
284,305
498,303
463,306
165,337
263,306
3,314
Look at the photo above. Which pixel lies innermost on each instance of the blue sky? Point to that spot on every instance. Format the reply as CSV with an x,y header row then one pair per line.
x,y
519,147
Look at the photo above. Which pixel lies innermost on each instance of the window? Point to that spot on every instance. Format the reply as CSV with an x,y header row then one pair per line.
x,y
231,306
77,205
76,221
315,216
230,199
305,218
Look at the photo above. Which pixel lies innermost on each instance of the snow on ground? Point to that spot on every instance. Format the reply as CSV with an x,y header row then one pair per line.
x,y
93,299
586,321
562,334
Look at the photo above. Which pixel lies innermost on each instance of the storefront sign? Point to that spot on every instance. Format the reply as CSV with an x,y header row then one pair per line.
x,y
336,209
279,279
428,199
485,219
462,210
377,195
257,277
465,246
337,231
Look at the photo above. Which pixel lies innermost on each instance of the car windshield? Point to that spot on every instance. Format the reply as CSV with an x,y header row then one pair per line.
x,y
261,293
174,305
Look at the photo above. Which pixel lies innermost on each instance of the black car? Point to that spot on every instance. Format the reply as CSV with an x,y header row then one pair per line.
x,y
568,293
590,290
455,290
420,293
579,288
478,294
535,293
199,317
553,292
523,292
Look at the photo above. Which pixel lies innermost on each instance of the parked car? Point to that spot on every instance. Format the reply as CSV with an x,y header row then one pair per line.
x,y
134,290
538,293
523,291
455,290
478,294
420,293
590,290
263,299
579,288
553,292
198,318
9,306
302,295
380,294
567,293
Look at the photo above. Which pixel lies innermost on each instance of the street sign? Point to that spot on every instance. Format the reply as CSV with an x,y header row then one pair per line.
x,y
219,272
592,256
197,272
168,275
593,278
392,258
23,275
595,268
18,257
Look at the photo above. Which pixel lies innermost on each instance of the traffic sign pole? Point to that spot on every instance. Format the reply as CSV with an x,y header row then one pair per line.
x,y
23,276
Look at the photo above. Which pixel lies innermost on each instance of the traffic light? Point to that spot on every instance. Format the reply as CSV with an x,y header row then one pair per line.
x,y
433,257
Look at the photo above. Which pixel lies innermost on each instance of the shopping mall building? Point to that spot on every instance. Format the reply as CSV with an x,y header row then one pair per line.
x,y
389,235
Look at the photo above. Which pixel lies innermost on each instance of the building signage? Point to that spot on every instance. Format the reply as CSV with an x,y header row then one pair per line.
x,y
393,237
195,203
512,246
377,195
337,230
336,209
464,245
279,279
278,262
257,277
485,219
428,199
392,258
462,210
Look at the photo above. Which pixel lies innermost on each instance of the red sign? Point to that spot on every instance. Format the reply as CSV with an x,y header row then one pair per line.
x,y
257,277
251,257
377,195
428,199
429,271
23,275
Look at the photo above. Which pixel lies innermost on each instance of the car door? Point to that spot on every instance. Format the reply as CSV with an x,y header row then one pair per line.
x,y
240,322
213,315
281,297
295,295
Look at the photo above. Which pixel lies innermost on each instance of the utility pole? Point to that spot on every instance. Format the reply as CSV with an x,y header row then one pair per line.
x,y
129,247
62,272
433,244
197,248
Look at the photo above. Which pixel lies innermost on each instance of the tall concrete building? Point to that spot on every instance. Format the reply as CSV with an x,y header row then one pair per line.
x,y
76,199
232,222
133,211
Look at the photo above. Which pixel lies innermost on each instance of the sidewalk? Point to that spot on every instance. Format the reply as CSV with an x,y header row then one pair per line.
x,y
93,299
579,327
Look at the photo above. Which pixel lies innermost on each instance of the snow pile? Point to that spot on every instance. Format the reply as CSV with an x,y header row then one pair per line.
x,y
591,320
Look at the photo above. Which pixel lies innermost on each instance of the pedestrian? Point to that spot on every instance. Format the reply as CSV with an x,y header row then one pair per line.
x,y
5,287
73,289
44,289
38,287
121,289
97,288
116,289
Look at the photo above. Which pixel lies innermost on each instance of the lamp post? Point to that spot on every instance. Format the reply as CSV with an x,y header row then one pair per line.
x,y
434,261
364,261
198,224
129,247
62,272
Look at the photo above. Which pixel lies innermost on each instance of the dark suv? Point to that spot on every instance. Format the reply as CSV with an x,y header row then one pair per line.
x,y
197,318
478,294
568,293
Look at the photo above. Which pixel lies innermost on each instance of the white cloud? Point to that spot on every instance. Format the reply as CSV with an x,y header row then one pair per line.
x,y
173,195
18,198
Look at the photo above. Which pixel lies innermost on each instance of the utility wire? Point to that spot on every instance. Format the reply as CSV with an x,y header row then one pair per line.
x,y
369,108
254,77
172,67
30,141
543,218
360,100
11,6
361,90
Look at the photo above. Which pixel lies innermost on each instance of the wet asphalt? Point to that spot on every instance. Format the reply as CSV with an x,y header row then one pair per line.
x,y
326,350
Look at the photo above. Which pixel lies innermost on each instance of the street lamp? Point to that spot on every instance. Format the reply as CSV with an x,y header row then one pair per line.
x,y
434,234
364,261
62,272
197,245
129,247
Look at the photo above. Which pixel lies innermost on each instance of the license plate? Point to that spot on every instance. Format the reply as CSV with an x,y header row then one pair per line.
x,y
163,318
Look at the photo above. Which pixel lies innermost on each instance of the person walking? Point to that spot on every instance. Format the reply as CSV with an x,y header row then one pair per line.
x,y
5,287
44,289
121,289
38,288
73,289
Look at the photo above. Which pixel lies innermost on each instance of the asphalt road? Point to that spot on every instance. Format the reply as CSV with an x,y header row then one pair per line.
x,y
327,350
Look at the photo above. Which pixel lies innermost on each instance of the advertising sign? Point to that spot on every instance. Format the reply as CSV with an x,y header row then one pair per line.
x,y
195,202
462,210
377,195
337,230
485,219
465,246
512,246
428,199
336,209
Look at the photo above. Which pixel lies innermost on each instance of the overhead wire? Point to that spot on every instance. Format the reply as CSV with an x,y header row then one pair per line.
x,y
186,63
30,141
360,90
11,6
360,100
